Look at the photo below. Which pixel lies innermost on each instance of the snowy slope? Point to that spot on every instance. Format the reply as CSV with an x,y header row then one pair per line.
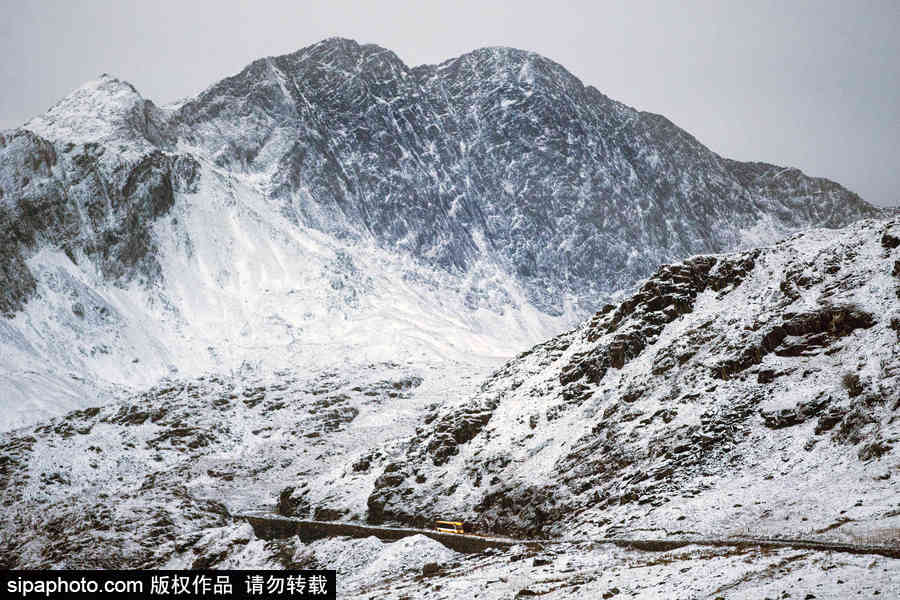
x,y
139,482
226,279
754,392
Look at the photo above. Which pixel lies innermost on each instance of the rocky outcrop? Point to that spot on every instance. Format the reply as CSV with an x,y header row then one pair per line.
x,y
799,334
890,237
68,198
638,321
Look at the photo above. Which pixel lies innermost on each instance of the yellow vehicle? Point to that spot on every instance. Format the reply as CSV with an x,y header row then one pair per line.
x,y
450,526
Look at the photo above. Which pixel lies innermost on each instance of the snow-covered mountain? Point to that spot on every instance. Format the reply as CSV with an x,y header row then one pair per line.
x,y
749,393
336,203
753,392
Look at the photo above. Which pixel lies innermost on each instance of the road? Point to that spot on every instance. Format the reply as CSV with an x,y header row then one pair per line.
x,y
272,526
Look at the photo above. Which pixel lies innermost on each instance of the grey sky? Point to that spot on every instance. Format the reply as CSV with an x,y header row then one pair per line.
x,y
814,85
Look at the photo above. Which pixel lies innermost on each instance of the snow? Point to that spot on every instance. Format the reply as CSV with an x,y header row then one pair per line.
x,y
95,112
368,568
241,283
586,571
772,482
364,562
327,301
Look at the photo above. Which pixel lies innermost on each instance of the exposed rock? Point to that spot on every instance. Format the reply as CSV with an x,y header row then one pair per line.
x,y
120,207
890,238
291,502
154,475
765,376
783,418
455,166
328,514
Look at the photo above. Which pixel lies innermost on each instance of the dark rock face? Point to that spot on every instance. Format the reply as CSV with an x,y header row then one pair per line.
x,y
637,322
498,153
450,432
890,238
499,144
802,334
787,417
67,199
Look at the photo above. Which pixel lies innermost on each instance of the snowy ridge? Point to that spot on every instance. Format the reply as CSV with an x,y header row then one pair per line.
x,y
727,395
104,111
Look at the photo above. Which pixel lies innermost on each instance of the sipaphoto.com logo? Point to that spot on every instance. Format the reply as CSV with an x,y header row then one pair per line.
x,y
64,585
265,584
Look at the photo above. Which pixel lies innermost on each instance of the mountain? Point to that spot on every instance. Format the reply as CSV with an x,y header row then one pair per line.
x,y
752,393
335,204
498,151
730,393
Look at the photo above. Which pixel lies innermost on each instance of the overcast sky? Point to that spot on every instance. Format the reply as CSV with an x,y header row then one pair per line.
x,y
813,85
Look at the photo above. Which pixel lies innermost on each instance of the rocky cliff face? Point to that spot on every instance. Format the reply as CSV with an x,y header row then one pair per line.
x,y
499,152
67,198
729,393
335,194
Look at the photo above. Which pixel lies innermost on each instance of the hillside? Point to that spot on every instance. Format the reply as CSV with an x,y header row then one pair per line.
x,y
754,391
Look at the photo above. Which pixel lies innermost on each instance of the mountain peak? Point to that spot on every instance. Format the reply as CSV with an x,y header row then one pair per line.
x,y
335,43
98,111
503,52
333,47
111,83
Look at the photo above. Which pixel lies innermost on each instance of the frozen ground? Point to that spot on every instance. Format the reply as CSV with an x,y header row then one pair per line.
x,y
369,568
130,483
688,573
